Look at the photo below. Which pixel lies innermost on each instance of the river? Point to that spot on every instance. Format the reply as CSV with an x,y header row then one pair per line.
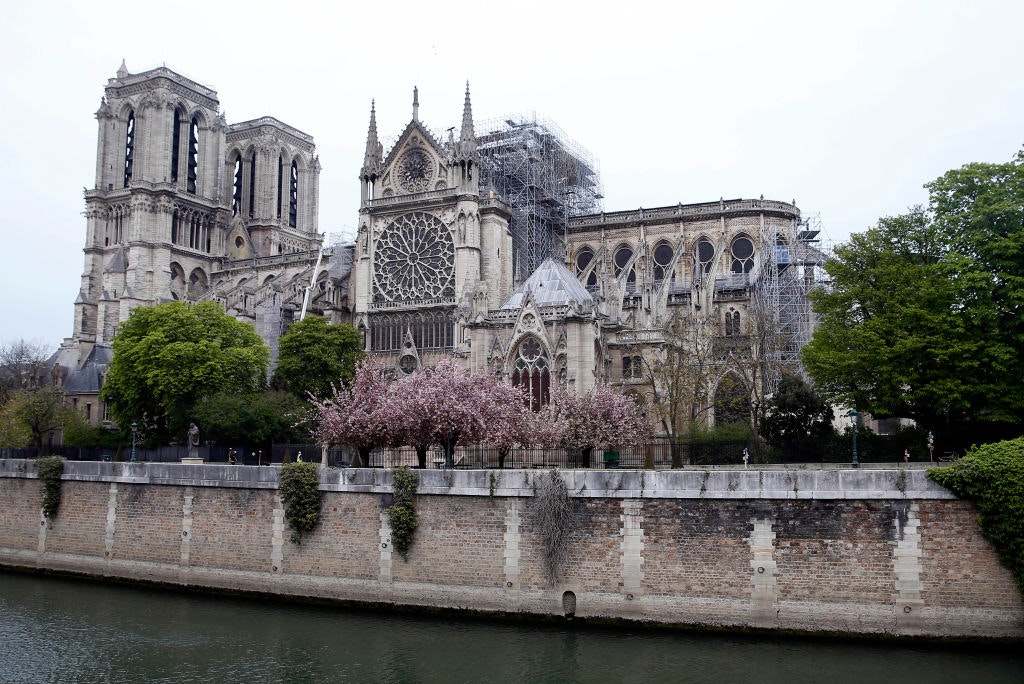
x,y
69,630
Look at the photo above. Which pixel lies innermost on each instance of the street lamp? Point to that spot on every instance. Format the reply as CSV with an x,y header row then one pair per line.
x,y
135,430
853,423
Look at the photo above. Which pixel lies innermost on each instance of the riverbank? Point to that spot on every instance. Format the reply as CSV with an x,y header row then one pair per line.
x,y
834,551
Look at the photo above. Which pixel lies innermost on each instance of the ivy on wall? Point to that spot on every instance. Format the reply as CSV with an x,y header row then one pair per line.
x,y
555,519
300,493
49,469
402,511
992,476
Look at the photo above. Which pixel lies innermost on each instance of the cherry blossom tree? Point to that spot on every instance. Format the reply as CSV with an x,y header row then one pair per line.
x,y
602,417
357,414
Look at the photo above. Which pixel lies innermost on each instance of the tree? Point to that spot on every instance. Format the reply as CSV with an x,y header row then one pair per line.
x,y
796,411
912,327
254,420
169,357
314,355
23,366
356,413
31,416
602,417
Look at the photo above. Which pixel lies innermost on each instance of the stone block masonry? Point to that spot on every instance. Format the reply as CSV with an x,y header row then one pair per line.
x,y
871,551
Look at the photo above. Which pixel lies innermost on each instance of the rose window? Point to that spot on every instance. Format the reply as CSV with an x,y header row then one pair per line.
x,y
415,260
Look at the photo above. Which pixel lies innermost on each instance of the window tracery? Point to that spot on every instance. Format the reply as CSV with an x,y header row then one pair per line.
x,y
414,260
742,254
129,149
532,371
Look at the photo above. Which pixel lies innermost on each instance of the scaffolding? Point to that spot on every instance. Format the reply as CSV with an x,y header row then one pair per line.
x,y
544,177
792,263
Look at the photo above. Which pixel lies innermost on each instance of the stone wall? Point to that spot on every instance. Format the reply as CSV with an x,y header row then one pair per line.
x,y
867,551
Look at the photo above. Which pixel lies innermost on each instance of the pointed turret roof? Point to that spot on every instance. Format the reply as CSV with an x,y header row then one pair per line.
x,y
467,137
552,284
374,150
123,70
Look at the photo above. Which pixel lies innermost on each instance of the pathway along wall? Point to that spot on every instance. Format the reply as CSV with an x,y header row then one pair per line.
x,y
867,551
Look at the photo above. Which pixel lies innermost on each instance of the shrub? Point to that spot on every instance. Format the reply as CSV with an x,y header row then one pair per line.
x,y
402,511
49,469
300,494
992,475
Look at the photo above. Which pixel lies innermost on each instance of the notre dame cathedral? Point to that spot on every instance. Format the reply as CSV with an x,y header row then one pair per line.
x,y
491,246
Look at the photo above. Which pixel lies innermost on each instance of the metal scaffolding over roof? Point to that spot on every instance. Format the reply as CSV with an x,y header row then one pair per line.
x,y
545,178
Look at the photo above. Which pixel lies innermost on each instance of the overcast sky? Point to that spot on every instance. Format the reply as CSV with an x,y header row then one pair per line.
x,y
847,108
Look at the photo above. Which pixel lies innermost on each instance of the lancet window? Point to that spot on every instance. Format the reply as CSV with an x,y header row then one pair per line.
x,y
430,330
293,196
663,254
236,186
129,149
193,155
742,255
175,145
532,371
252,186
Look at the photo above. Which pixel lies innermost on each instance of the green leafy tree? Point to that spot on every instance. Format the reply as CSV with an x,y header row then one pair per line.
x,y
796,411
314,355
169,357
254,420
31,417
907,329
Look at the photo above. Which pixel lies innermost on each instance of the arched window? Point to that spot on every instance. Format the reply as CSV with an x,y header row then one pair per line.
x,y
280,183
583,259
236,186
732,322
129,149
705,254
293,196
663,253
252,185
175,145
742,255
193,155
622,257
532,371
632,366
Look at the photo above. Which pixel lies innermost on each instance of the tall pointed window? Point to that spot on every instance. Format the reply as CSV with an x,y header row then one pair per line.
x,y
742,255
663,254
532,371
193,155
129,149
175,145
705,255
252,185
293,196
236,186
280,183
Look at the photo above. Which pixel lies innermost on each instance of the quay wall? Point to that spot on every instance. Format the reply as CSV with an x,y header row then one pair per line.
x,y
857,551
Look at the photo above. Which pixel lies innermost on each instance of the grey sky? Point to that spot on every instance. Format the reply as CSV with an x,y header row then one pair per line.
x,y
846,109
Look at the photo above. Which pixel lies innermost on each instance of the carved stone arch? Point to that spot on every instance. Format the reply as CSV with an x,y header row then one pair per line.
x,y
742,253
409,359
729,399
198,283
179,284
199,114
270,278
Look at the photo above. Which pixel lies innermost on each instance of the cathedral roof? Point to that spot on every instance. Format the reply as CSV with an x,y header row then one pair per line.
x,y
117,263
552,284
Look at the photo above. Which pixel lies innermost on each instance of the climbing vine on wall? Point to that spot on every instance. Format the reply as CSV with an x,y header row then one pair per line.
x,y
300,494
554,518
992,475
49,469
402,511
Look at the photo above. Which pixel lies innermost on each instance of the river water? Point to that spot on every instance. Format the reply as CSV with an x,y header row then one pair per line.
x,y
67,630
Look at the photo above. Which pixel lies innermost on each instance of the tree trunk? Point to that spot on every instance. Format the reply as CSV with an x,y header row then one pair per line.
x,y
585,453
421,455
362,459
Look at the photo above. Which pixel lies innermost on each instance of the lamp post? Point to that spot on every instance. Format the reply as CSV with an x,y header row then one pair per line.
x,y
853,424
135,430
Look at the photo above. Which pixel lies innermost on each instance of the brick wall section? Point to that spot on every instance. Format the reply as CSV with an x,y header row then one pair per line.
x,y
344,544
960,569
459,541
20,502
595,548
842,550
231,528
148,526
697,547
81,524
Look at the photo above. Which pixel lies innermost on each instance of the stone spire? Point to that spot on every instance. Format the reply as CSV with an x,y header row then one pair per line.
x,y
123,70
415,103
467,136
374,156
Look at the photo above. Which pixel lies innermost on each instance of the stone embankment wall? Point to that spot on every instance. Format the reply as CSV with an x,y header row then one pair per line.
x,y
869,551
